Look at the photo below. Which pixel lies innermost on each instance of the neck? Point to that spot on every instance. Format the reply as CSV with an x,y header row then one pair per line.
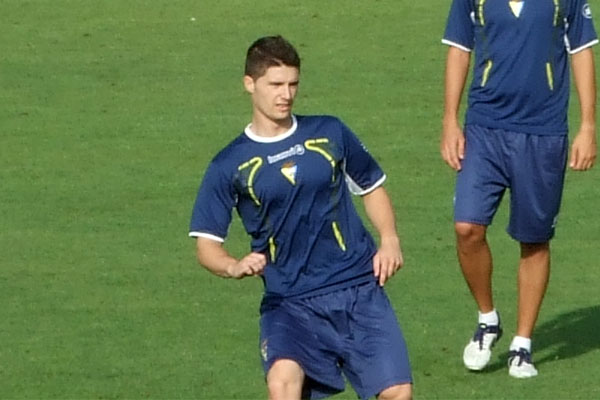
x,y
270,128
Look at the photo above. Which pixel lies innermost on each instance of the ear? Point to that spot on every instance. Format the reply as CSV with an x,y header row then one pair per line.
x,y
249,84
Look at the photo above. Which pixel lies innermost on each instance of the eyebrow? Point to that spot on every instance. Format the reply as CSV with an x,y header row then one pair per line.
x,y
283,82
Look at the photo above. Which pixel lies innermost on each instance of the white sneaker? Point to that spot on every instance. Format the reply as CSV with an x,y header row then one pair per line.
x,y
520,364
478,352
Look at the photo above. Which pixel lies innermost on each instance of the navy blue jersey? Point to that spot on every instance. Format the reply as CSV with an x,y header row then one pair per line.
x,y
521,72
291,194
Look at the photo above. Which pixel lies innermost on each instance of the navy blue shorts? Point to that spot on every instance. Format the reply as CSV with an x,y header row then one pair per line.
x,y
353,331
531,166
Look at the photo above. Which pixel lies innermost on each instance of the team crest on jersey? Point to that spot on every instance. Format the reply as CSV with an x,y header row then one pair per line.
x,y
289,171
263,350
516,7
587,11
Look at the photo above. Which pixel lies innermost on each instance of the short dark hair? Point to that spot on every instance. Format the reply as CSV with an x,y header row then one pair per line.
x,y
270,51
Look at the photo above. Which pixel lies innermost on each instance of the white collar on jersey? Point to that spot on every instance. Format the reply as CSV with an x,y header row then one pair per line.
x,y
272,139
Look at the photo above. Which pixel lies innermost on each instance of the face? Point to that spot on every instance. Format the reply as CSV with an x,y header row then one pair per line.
x,y
273,93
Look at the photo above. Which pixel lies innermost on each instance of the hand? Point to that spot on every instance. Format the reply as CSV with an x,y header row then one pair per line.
x,y
387,260
583,150
252,264
452,146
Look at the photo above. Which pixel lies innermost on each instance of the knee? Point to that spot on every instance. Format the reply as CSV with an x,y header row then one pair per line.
x,y
469,233
396,392
280,389
285,380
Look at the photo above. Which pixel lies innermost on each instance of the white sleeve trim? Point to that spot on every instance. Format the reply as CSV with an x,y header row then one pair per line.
x,y
454,44
207,236
585,46
357,190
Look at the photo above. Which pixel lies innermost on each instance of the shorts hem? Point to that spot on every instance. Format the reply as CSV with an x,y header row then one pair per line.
x,y
530,239
473,221
367,394
325,390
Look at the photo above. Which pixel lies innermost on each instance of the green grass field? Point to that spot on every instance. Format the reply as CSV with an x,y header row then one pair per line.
x,y
109,113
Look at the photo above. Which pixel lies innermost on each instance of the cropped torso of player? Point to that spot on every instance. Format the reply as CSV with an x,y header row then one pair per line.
x,y
291,194
521,72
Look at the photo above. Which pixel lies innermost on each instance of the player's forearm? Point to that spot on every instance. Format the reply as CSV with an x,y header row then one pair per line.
x,y
585,82
378,207
457,68
212,256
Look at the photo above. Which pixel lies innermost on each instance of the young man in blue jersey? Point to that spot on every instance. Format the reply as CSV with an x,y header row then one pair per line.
x,y
324,313
515,137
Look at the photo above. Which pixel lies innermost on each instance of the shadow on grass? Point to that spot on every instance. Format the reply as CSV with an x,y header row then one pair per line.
x,y
569,335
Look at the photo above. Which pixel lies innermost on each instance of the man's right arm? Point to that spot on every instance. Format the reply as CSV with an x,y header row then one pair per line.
x,y
452,141
217,260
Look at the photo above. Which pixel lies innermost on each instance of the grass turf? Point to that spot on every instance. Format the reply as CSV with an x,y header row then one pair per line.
x,y
111,111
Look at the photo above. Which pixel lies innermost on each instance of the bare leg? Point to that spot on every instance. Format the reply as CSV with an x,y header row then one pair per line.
x,y
285,380
476,262
534,272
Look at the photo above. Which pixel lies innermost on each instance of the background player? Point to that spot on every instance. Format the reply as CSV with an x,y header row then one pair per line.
x,y
515,137
324,311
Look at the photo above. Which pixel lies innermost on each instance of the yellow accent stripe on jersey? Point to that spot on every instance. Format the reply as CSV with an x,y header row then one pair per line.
x,y
480,11
486,72
550,75
272,248
338,235
312,144
255,163
556,9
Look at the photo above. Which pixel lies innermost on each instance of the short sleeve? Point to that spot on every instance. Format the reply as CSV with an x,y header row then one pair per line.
x,y
216,198
362,173
460,26
580,27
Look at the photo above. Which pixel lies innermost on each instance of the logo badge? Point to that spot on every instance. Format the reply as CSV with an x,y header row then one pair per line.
x,y
587,11
516,7
289,171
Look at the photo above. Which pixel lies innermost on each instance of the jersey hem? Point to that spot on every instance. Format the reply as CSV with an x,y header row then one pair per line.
x,y
356,281
477,119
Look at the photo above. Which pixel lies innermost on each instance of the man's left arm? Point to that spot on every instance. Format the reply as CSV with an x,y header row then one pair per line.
x,y
583,150
388,258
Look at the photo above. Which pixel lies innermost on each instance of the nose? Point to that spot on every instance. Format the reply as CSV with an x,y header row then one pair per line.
x,y
287,92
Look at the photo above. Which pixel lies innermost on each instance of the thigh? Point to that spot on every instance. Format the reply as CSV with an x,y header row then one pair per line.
x,y
375,357
289,330
538,170
482,180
